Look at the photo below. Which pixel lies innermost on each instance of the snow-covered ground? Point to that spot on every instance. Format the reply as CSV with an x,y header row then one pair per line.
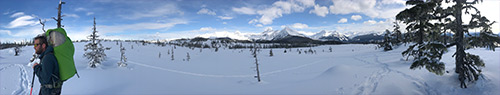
x,y
349,69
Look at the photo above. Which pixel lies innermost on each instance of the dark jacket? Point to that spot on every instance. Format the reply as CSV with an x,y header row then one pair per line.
x,y
48,69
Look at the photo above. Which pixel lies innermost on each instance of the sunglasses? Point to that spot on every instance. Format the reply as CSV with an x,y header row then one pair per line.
x,y
37,44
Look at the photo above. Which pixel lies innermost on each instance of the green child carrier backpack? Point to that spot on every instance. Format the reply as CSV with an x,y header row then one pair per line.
x,y
64,51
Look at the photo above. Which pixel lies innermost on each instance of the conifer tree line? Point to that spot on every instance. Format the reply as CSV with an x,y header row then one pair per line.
x,y
432,29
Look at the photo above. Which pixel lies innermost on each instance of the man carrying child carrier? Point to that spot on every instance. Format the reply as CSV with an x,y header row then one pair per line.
x,y
48,69
56,65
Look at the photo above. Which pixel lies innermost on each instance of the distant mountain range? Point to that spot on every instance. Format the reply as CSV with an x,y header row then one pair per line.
x,y
289,35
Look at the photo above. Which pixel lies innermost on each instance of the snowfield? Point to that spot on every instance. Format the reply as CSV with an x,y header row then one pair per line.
x,y
350,69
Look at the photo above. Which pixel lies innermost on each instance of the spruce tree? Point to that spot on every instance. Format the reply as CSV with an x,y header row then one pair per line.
x,y
386,44
425,54
96,54
468,65
123,58
172,54
188,57
397,36
271,53
17,50
428,54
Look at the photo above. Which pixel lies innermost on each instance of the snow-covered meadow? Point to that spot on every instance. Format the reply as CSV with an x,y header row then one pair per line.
x,y
348,69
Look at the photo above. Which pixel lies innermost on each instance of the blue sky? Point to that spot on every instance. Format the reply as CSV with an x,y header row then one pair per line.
x,y
171,19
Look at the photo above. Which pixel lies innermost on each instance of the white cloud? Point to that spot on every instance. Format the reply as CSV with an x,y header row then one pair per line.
x,y
288,6
141,26
157,11
319,10
343,20
72,15
89,13
268,28
5,32
307,3
393,2
26,32
370,22
225,17
351,6
279,8
207,29
259,25
80,9
224,33
371,8
17,14
224,22
253,21
299,25
268,15
244,10
356,17
206,11
22,21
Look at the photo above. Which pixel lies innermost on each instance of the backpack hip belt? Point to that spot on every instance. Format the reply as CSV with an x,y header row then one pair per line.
x,y
53,85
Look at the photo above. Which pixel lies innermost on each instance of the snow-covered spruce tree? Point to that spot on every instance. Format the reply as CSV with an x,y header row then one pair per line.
x,y
187,56
310,51
17,50
386,44
418,18
96,54
172,54
123,58
271,53
467,65
397,36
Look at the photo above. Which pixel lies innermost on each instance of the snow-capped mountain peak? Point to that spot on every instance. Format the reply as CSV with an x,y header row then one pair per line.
x,y
278,34
329,35
270,34
320,34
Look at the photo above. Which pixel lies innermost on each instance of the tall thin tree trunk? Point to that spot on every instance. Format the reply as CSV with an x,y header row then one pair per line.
x,y
460,53
59,14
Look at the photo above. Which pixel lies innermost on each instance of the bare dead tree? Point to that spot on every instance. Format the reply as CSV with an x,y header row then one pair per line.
x,y
42,23
256,63
59,19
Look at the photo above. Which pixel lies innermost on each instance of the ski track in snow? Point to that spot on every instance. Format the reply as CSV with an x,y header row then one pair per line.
x,y
222,76
369,86
23,80
184,72
371,83
292,68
